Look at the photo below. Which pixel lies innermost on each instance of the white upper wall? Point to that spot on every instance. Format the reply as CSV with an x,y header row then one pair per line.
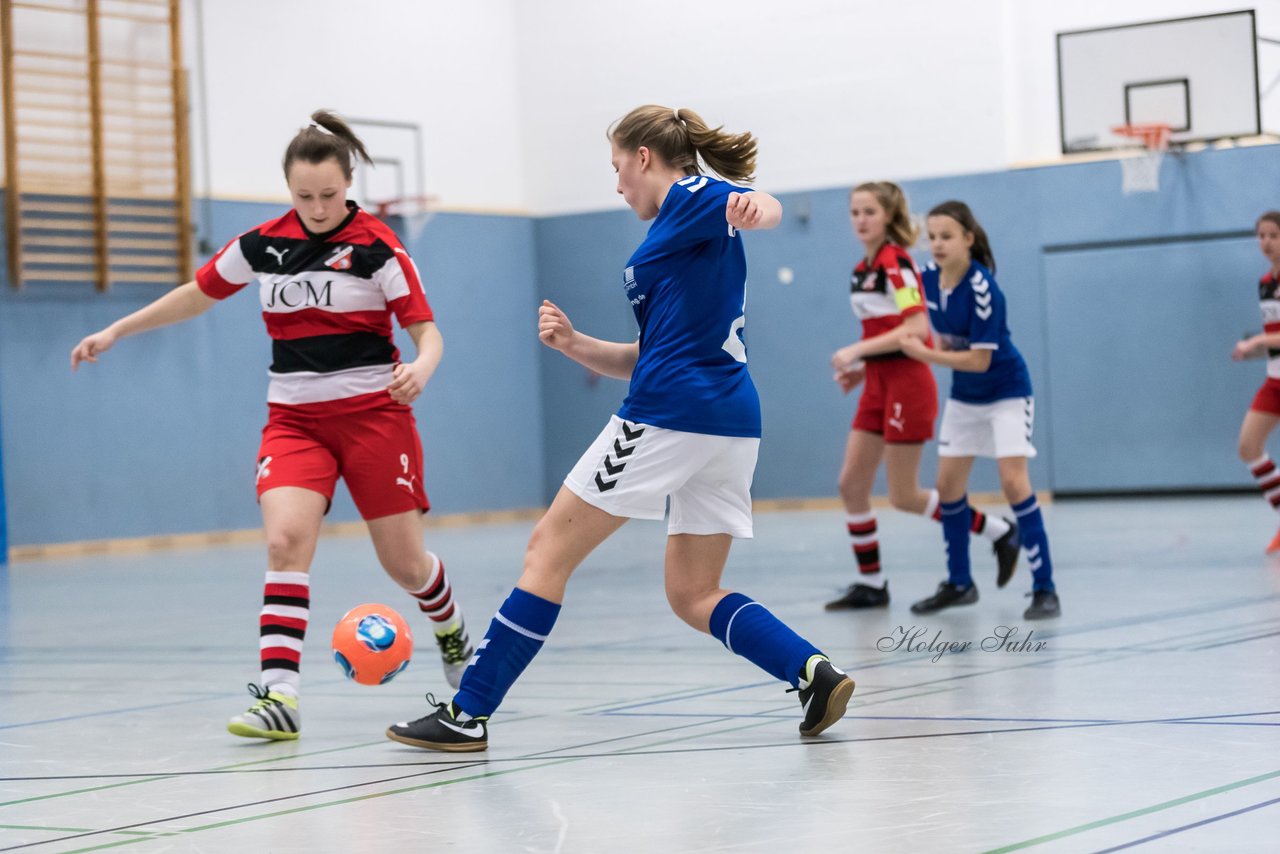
x,y
449,67
833,90
514,96
836,91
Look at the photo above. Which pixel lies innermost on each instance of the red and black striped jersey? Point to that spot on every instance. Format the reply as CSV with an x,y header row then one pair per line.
x,y
885,290
1269,299
327,300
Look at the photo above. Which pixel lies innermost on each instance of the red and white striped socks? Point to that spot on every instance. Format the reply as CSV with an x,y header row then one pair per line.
x,y
435,599
1264,472
286,604
866,547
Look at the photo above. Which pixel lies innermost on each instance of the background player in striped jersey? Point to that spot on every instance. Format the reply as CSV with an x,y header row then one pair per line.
x,y
689,429
899,399
991,410
1264,412
331,277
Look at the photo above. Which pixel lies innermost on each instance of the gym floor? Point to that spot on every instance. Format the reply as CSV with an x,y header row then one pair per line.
x,y
1147,716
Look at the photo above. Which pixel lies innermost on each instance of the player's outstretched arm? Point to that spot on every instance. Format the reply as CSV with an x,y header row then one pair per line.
x,y
609,358
182,303
913,326
977,361
753,211
1256,346
409,379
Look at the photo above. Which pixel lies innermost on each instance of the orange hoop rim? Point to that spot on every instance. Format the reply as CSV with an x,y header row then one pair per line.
x,y
1154,136
405,206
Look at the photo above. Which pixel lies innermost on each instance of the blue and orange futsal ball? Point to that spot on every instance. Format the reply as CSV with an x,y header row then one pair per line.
x,y
372,643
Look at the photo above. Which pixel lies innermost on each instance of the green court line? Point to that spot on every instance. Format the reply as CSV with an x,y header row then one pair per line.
x,y
147,833
436,784
650,745
341,802
158,777
431,785
271,759
1186,799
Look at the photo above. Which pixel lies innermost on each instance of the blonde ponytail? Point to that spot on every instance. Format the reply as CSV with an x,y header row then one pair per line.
x,y
680,136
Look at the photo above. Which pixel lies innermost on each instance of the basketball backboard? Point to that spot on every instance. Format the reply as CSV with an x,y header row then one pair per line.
x,y
1198,75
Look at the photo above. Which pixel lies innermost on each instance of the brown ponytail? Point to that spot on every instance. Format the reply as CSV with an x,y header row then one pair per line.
x,y
326,137
899,227
981,249
680,136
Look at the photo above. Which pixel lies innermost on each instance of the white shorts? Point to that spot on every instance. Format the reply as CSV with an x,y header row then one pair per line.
x,y
631,469
1000,429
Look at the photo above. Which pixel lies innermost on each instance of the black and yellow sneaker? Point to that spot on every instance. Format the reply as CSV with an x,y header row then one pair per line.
x,y
448,728
1044,605
275,716
861,596
947,595
824,694
455,651
1007,549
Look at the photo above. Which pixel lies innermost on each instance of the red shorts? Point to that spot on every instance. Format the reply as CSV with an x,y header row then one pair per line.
x,y
899,400
1268,397
376,451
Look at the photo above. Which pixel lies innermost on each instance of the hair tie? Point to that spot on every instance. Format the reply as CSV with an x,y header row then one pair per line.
x,y
321,128
676,113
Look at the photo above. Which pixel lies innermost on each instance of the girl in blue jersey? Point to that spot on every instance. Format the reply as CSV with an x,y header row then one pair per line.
x,y
689,429
899,400
991,409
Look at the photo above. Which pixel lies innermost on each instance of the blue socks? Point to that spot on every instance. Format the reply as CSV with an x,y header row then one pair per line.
x,y
523,622
516,634
747,628
956,521
1036,543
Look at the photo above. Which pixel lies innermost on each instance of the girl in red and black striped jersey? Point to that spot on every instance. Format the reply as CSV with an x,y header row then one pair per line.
x,y
331,277
1264,412
900,397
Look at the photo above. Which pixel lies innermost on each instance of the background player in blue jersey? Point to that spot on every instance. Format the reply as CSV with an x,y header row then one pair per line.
x,y
689,429
899,400
990,412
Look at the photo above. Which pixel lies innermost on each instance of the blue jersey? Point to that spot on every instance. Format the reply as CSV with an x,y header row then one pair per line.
x,y
971,316
687,286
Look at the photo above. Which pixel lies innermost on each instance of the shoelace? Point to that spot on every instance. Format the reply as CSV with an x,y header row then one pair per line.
x,y
447,708
439,706
453,646
261,692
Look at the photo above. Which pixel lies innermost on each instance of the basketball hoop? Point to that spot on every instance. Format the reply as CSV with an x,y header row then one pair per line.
x,y
407,215
1142,168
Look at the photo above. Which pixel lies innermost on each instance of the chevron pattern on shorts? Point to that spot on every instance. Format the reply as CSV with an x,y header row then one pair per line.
x,y
623,447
